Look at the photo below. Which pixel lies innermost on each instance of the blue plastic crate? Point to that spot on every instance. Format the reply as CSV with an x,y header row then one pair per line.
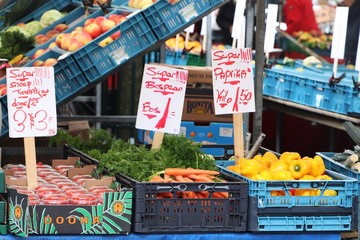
x,y
96,61
166,19
74,19
36,14
346,187
302,223
178,58
69,79
277,84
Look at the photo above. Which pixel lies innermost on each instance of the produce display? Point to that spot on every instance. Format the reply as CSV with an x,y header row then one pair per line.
x,y
138,162
55,188
312,41
289,166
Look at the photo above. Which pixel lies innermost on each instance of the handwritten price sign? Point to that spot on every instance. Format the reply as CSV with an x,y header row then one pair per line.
x,y
161,99
233,81
31,102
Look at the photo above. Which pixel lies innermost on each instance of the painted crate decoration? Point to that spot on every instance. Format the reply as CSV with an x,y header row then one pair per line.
x,y
300,213
111,217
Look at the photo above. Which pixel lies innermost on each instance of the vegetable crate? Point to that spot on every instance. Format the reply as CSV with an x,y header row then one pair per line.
x,y
178,58
167,19
213,134
53,4
196,60
276,84
269,213
111,217
96,61
69,79
155,215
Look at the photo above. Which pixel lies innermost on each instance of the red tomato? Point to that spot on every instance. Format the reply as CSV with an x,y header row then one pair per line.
x,y
55,179
65,184
61,167
44,190
55,199
15,167
84,199
70,191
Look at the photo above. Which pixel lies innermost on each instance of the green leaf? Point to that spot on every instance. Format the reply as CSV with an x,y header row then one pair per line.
x,y
86,214
106,224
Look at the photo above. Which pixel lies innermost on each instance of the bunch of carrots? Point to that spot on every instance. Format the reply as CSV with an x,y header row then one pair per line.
x,y
189,175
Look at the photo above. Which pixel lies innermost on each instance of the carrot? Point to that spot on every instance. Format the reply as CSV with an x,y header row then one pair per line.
x,y
167,177
186,172
157,178
187,179
179,178
189,194
217,195
224,194
166,195
204,193
202,178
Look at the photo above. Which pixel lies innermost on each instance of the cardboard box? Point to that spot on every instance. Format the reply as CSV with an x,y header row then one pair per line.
x,y
113,216
76,128
199,107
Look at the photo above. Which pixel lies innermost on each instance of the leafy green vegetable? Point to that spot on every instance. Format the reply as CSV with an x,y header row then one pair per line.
x,y
14,43
140,162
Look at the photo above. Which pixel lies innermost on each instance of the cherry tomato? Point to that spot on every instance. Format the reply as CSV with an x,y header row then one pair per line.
x,y
55,199
84,199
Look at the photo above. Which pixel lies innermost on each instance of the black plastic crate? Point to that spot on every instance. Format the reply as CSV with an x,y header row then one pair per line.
x,y
155,215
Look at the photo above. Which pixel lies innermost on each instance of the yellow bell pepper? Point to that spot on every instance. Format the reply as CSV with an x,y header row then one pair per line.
x,y
288,157
305,192
250,167
308,177
282,175
264,175
328,192
317,166
234,168
279,165
323,177
270,158
299,168
260,159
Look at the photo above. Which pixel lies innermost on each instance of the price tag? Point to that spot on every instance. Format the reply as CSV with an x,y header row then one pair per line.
x,y
233,81
161,99
31,102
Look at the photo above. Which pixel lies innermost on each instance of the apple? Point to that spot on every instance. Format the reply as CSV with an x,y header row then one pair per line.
x,y
65,43
84,37
117,18
38,63
94,30
52,45
41,39
50,62
74,45
61,27
59,38
2,89
106,25
99,19
105,42
115,35
52,33
79,28
88,21
38,53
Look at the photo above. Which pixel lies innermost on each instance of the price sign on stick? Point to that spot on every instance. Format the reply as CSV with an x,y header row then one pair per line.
x,y
238,29
31,110
233,88
270,29
339,36
161,101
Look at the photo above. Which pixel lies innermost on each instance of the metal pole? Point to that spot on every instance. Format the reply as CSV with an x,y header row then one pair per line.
x,y
259,67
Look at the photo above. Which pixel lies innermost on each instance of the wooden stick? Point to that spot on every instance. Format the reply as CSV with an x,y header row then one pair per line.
x,y
30,162
238,136
157,141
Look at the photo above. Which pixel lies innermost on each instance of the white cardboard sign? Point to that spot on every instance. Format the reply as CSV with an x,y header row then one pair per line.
x,y
339,33
357,63
233,81
31,102
270,29
237,31
161,99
